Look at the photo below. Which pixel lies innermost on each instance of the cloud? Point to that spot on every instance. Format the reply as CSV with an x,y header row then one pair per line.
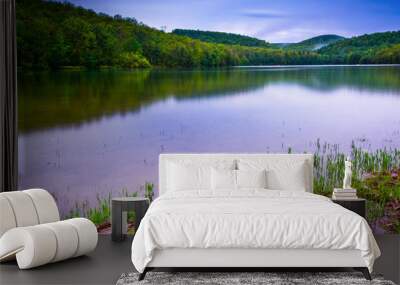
x,y
239,27
294,34
273,21
262,13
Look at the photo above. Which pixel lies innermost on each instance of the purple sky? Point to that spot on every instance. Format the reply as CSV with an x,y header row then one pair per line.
x,y
273,21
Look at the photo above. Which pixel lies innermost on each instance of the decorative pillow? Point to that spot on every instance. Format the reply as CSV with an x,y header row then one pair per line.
x,y
282,173
251,178
292,178
185,177
206,162
223,179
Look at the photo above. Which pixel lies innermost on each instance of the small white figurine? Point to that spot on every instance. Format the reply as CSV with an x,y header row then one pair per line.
x,y
347,174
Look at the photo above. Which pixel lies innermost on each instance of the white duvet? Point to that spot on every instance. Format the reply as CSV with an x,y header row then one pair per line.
x,y
250,219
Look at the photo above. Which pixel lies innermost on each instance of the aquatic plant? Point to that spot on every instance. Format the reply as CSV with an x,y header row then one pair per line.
x,y
328,168
125,193
391,221
379,186
149,191
98,215
101,213
376,176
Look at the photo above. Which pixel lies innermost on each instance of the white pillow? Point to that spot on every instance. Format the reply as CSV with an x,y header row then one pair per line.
x,y
251,178
293,180
185,177
206,162
223,179
282,173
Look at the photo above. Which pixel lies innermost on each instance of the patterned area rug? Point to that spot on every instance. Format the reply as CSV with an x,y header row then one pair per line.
x,y
229,278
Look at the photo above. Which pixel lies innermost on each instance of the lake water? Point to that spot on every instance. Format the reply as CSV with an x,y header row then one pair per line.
x,y
89,133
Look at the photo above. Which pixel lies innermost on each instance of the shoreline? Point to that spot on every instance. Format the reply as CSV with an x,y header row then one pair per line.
x,y
321,65
83,68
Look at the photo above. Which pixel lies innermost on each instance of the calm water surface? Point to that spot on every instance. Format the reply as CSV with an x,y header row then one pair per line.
x,y
89,133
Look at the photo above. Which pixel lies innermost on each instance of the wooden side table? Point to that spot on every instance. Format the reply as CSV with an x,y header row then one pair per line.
x,y
356,205
119,209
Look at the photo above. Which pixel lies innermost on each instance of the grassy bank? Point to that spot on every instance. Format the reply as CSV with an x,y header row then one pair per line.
x,y
100,215
376,176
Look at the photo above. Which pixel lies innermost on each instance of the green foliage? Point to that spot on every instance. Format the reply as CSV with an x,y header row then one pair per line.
x,y
53,34
375,210
131,216
376,176
372,48
389,54
380,187
314,43
391,221
371,171
149,191
328,168
222,38
98,215
132,60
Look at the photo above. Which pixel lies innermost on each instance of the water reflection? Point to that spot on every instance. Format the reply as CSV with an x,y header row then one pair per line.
x,y
93,133
51,99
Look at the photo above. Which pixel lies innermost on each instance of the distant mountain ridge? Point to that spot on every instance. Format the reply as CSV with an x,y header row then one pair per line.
x,y
56,35
382,47
373,48
315,43
222,38
311,44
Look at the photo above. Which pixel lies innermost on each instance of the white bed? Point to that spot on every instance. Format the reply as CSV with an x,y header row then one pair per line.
x,y
281,224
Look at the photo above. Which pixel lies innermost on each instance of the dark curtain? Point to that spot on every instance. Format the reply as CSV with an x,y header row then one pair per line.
x,y
8,97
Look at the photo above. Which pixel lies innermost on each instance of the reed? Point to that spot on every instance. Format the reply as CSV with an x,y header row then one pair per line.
x,y
376,176
329,165
101,213
98,215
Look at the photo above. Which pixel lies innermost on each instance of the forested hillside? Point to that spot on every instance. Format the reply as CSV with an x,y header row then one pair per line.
x,y
222,38
315,43
54,35
372,48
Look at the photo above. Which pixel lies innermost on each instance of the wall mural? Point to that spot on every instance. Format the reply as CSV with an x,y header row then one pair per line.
x,y
91,128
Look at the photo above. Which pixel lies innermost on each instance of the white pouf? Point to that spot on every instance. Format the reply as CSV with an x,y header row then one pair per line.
x,y
31,232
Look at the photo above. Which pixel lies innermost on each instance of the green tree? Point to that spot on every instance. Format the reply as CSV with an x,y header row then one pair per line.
x,y
53,34
132,60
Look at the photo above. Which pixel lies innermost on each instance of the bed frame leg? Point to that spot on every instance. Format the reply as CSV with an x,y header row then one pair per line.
x,y
143,274
364,271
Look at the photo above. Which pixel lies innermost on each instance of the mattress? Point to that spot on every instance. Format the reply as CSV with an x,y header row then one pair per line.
x,y
250,219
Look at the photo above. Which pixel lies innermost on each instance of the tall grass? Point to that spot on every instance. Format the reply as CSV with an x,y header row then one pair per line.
x,y
328,168
98,215
101,213
329,165
375,175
